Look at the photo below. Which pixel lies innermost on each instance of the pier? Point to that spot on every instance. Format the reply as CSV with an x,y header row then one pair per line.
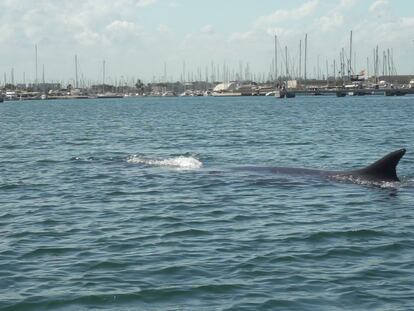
x,y
357,92
399,86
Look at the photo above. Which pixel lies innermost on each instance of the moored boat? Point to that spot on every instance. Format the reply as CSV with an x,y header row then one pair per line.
x,y
109,95
284,93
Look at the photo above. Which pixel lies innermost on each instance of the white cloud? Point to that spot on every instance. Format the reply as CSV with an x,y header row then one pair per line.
x,y
164,29
242,36
377,4
280,31
207,29
330,22
294,14
143,3
407,22
94,29
85,22
306,9
201,34
174,4
7,32
119,27
347,3
254,36
87,38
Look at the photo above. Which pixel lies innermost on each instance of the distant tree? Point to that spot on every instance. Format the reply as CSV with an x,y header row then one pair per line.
x,y
9,86
140,87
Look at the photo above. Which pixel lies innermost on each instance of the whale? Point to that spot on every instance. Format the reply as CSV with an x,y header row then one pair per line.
x,y
382,170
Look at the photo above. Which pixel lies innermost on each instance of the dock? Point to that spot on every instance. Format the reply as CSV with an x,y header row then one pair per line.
x,y
357,92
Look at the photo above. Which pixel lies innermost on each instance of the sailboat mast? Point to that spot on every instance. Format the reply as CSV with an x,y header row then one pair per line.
x,y
36,81
350,56
306,54
76,71
388,62
276,78
103,76
376,64
286,62
300,59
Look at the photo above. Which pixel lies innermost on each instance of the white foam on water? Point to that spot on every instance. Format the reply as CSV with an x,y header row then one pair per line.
x,y
180,162
361,181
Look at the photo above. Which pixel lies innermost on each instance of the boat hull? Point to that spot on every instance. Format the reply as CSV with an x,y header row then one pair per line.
x,y
285,94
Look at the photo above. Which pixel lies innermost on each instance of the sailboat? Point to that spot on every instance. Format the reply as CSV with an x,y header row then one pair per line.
x,y
106,94
283,91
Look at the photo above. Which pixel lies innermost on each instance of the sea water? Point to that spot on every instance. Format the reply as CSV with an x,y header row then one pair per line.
x,y
139,204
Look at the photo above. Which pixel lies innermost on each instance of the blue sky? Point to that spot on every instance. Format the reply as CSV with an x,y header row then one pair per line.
x,y
137,37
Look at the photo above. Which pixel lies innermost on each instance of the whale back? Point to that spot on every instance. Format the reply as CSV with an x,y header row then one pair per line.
x,y
382,170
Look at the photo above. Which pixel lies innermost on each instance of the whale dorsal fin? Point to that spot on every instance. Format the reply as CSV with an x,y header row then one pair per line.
x,y
385,168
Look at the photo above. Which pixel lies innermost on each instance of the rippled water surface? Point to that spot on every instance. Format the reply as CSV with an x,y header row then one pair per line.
x,y
139,204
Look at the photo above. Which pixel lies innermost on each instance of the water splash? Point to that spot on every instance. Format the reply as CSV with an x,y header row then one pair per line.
x,y
361,181
179,162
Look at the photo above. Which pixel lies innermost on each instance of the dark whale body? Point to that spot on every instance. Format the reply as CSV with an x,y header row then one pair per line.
x,y
383,170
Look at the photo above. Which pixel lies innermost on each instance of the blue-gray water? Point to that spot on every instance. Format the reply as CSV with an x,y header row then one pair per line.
x,y
134,204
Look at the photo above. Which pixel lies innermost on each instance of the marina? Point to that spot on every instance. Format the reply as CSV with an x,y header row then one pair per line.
x,y
286,78
359,86
207,155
